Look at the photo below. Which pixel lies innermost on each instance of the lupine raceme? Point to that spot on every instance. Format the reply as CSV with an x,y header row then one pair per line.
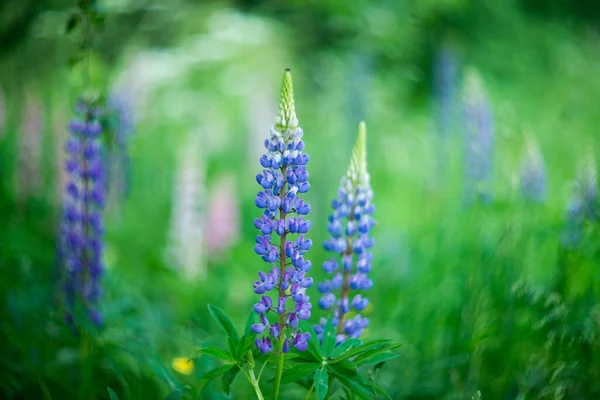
x,y
82,221
479,138
349,226
281,242
533,172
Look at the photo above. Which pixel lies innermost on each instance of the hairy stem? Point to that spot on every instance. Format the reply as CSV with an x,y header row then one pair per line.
x,y
282,265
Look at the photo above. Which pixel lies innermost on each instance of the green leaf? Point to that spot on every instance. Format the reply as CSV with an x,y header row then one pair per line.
x,y
321,383
380,391
224,322
361,358
314,349
328,339
72,23
298,371
353,381
111,394
243,347
217,352
228,379
215,373
232,347
376,359
361,349
345,346
252,319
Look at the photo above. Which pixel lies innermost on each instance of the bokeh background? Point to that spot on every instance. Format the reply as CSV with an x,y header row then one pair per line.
x,y
482,121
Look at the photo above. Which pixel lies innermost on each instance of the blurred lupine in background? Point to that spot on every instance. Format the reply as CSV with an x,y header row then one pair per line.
x,y
582,206
445,91
29,171
222,225
122,123
283,180
349,226
478,139
186,248
81,230
533,172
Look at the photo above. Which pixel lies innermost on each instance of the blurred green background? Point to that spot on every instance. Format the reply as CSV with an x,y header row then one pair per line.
x,y
485,296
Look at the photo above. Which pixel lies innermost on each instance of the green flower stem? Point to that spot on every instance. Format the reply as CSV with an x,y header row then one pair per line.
x,y
310,391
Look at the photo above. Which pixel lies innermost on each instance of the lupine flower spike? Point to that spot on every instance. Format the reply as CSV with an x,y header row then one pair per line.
x,y
479,138
283,181
349,226
533,172
81,227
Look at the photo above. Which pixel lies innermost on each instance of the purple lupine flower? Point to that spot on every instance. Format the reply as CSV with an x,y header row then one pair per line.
x,y
533,173
478,140
349,226
282,180
81,227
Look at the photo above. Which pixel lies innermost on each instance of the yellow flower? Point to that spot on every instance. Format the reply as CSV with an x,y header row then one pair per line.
x,y
183,365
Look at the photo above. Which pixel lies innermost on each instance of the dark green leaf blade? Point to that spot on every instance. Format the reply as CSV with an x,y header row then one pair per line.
x,y
228,379
224,322
298,371
348,379
321,383
217,352
361,349
378,358
366,355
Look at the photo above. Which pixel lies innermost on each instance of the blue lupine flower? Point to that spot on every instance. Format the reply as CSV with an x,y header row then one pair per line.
x,y
533,173
349,226
479,139
82,223
282,181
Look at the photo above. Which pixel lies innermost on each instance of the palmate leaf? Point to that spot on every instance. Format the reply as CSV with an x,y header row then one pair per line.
x,y
243,346
224,322
378,358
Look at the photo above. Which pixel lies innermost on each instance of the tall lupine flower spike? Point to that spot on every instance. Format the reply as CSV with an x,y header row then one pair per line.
x,y
82,220
479,138
349,226
533,172
283,180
